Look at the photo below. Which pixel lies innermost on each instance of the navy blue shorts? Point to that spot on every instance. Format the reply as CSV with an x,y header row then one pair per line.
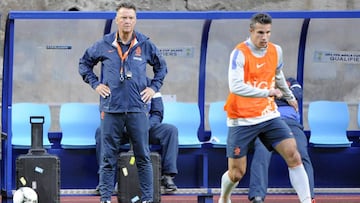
x,y
270,132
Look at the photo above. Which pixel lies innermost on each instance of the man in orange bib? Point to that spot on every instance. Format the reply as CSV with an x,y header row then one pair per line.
x,y
255,80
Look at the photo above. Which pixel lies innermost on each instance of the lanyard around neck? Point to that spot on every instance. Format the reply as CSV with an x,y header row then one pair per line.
x,y
122,55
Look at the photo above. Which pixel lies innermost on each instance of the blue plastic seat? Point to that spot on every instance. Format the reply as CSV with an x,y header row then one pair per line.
x,y
78,123
217,122
328,123
186,117
21,126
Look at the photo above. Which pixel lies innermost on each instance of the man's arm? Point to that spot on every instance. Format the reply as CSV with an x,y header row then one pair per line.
x,y
295,87
156,110
287,94
159,68
283,86
86,66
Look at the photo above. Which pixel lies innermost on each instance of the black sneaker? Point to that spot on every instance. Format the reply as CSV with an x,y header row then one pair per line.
x,y
97,189
168,183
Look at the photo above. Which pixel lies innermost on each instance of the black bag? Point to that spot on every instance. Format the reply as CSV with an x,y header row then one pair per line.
x,y
39,170
128,179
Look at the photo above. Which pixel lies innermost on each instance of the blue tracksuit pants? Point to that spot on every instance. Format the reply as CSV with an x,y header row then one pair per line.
x,y
112,131
166,135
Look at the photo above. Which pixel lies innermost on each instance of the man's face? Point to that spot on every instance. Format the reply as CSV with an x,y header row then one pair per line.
x,y
125,20
260,34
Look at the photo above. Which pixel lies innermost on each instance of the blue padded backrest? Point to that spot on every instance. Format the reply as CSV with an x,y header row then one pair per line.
x,y
217,123
78,123
21,126
328,123
186,117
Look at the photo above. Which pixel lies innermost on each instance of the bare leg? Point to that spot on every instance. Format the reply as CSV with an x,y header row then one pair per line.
x,y
298,177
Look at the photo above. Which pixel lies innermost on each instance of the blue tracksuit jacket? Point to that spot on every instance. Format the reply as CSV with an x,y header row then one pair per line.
x,y
125,96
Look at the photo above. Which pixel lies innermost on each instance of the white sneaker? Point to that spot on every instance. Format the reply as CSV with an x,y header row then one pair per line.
x,y
221,200
106,201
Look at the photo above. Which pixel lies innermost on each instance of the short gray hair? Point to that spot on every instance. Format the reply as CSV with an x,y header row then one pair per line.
x,y
126,4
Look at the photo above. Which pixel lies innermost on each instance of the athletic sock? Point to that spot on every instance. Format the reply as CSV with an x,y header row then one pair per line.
x,y
226,188
300,182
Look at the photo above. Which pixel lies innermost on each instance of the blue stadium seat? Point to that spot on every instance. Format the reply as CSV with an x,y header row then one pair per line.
x,y
186,117
21,126
78,123
217,123
328,123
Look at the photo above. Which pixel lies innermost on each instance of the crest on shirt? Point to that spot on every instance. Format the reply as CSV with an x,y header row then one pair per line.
x,y
137,54
237,151
138,51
